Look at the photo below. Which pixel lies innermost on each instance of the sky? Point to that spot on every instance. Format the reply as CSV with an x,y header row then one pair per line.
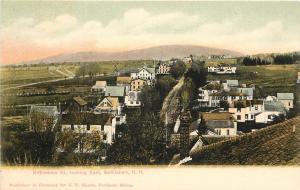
x,y
34,30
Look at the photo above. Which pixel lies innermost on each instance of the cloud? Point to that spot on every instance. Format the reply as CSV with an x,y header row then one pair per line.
x,y
27,39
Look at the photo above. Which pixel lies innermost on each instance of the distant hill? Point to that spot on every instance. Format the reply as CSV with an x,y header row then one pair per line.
x,y
158,52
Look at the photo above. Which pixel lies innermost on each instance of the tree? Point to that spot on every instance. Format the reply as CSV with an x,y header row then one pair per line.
x,y
164,85
151,100
141,143
197,72
178,69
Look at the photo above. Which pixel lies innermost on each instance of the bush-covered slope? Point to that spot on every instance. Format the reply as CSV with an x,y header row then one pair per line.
x,y
278,144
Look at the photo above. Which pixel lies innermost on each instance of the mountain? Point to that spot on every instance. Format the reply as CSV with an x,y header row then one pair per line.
x,y
157,52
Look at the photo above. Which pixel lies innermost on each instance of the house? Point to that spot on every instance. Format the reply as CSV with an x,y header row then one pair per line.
x,y
231,96
87,123
77,104
133,99
100,86
230,84
163,68
245,110
204,98
287,99
115,91
124,81
43,117
213,93
219,123
109,105
145,73
221,69
138,84
272,111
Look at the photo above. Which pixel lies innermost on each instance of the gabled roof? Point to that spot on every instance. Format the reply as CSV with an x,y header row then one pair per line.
x,y
113,101
48,110
218,116
276,106
123,80
285,96
148,69
218,120
100,84
80,101
115,91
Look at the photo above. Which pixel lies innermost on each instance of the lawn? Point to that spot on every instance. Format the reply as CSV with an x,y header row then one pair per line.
x,y
270,78
215,62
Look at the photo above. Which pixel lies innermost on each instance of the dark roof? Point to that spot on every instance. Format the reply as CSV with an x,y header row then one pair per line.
x,y
247,103
80,101
218,116
85,118
219,124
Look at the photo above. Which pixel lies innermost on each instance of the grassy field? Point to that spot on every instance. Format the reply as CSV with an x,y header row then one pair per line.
x,y
268,78
10,76
215,62
23,75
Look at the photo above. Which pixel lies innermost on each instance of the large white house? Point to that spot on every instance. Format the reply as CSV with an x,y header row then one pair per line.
x,y
222,69
145,73
87,123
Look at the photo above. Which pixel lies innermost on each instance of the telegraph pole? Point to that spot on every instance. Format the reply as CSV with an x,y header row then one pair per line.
x,y
185,120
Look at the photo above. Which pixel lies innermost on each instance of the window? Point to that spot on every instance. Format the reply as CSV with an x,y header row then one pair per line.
x,y
240,97
104,137
102,127
238,109
256,107
246,116
252,116
238,117
88,127
269,117
72,126
227,131
289,103
118,118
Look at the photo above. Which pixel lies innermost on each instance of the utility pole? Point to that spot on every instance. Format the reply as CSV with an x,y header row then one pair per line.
x,y
185,120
